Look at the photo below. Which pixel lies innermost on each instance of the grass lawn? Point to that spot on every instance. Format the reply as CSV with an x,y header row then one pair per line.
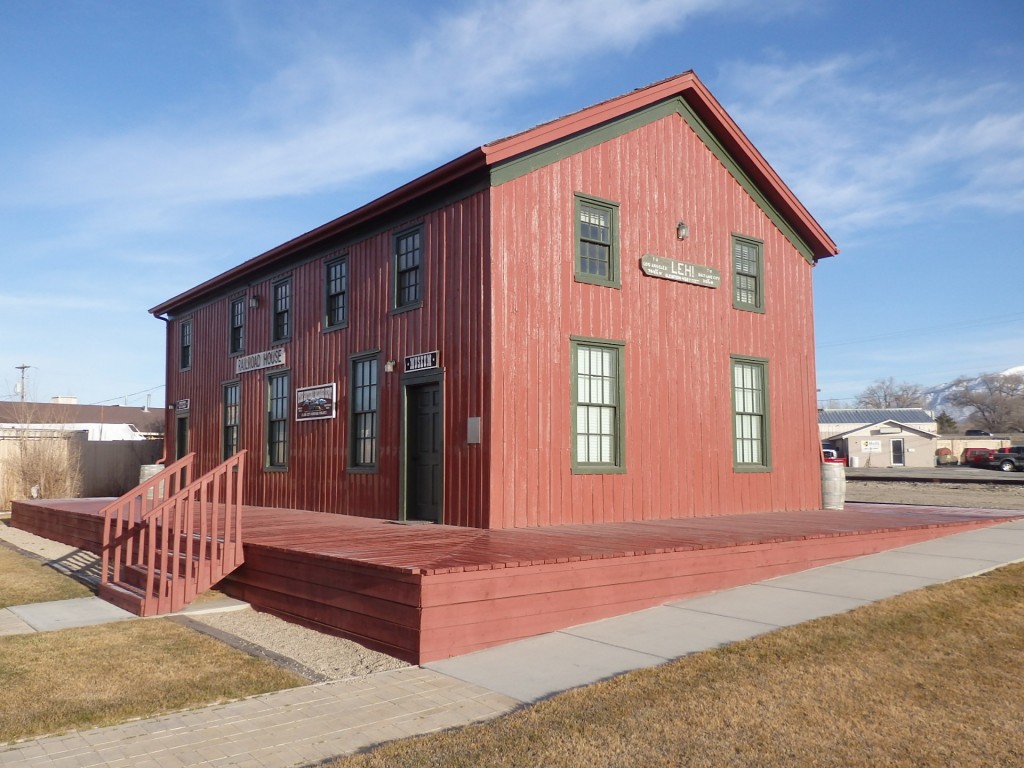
x,y
80,678
931,678
25,580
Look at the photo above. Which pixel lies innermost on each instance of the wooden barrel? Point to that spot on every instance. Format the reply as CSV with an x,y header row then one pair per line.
x,y
833,486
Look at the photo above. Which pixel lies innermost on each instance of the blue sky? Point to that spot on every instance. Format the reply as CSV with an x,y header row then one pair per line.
x,y
149,146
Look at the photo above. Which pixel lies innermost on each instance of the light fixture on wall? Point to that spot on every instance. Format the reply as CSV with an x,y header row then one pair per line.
x,y
254,302
682,230
389,366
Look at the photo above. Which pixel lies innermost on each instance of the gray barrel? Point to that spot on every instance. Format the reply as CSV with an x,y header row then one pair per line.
x,y
833,486
146,471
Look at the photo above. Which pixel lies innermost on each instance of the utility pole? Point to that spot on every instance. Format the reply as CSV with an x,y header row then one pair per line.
x,y
21,388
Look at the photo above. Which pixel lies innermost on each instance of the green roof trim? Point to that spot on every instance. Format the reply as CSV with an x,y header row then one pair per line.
x,y
532,161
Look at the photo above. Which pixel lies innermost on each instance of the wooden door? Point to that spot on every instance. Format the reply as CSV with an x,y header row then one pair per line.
x,y
425,454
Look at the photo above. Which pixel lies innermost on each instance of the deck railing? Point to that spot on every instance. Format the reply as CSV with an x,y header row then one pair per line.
x,y
171,539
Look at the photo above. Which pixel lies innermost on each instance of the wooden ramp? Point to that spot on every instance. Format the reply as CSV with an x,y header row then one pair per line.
x,y
427,592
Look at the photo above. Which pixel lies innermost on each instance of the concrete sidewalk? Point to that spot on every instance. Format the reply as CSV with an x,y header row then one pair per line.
x,y
307,725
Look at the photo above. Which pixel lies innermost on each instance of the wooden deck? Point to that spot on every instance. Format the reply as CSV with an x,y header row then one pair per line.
x,y
423,592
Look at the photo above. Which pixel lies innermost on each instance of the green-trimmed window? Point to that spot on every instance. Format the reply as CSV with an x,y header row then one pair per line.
x,y
236,332
278,390
363,413
751,446
408,269
231,418
747,274
597,241
598,407
185,345
281,315
336,293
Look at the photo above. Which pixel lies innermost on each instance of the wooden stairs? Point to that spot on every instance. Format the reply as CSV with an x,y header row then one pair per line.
x,y
170,539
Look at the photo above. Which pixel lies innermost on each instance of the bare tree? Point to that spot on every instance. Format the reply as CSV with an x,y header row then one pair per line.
x,y
886,393
996,401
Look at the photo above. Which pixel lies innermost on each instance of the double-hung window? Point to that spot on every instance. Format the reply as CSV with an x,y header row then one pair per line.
x,y
598,406
408,269
281,312
748,274
751,446
597,241
363,413
230,418
185,345
236,331
336,293
278,388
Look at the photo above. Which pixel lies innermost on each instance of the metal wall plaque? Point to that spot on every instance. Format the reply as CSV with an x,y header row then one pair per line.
x,y
680,271
320,402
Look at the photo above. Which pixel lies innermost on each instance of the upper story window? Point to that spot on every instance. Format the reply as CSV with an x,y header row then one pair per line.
x,y
408,269
597,241
748,274
598,407
281,315
236,330
185,345
336,293
750,414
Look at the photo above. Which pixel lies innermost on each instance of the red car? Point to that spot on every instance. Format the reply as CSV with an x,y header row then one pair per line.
x,y
977,457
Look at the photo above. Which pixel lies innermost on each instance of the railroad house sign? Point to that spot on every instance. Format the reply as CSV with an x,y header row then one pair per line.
x,y
421,362
259,360
680,271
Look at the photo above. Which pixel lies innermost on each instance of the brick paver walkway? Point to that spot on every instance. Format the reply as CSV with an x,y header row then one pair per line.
x,y
296,727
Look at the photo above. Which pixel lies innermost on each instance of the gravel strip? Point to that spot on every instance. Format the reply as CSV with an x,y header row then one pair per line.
x,y
331,658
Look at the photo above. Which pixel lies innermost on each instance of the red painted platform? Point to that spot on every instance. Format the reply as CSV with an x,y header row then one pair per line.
x,y
426,592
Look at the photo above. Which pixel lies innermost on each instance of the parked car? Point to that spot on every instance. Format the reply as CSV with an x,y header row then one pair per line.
x,y
977,433
976,457
831,456
1008,459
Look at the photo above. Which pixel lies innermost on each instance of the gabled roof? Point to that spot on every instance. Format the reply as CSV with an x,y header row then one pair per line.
x,y
874,415
868,427
478,165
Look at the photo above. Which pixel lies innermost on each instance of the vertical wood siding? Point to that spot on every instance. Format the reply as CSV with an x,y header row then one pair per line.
x,y
450,320
678,338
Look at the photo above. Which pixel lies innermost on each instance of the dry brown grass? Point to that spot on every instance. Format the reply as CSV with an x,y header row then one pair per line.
x,y
25,580
93,676
932,678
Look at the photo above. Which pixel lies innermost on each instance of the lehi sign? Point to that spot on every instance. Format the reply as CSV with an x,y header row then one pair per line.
x,y
260,360
680,271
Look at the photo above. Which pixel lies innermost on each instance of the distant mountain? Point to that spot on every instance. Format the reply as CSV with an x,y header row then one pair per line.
x,y
937,399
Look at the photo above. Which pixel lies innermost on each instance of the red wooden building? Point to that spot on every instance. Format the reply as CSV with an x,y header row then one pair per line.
x,y
605,318
600,321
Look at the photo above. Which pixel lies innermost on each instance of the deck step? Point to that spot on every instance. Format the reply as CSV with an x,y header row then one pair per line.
x,y
124,596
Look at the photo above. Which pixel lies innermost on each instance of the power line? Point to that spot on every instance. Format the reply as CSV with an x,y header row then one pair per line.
x,y
126,396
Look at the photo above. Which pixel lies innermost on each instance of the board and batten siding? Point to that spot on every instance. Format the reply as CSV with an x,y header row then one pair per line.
x,y
678,340
451,319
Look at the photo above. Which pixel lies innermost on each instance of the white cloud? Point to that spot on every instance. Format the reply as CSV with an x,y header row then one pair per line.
x,y
858,153
328,117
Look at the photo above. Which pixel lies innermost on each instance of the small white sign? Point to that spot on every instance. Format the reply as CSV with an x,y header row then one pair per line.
x,y
871,446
